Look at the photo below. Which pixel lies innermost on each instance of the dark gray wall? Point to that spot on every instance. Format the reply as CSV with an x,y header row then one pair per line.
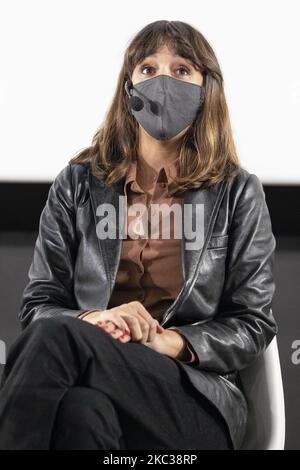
x,y
16,250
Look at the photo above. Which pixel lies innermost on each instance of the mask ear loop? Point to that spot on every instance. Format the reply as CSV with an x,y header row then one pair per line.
x,y
202,96
128,87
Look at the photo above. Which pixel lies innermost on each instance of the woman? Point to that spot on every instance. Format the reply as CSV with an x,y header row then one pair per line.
x,y
133,341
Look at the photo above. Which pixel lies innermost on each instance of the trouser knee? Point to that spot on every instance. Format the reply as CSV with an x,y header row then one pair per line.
x,y
86,418
77,407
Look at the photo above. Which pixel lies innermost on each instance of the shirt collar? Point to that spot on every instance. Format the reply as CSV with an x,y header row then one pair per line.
x,y
141,172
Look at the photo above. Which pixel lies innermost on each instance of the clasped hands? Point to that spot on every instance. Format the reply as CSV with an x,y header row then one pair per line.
x,y
132,322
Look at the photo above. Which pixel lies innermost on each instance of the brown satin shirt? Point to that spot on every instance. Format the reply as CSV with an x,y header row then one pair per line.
x,y
150,268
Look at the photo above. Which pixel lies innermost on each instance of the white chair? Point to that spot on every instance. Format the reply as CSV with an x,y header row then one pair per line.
x,y
262,383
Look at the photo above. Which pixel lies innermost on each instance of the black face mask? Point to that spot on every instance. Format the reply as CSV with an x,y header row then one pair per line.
x,y
164,105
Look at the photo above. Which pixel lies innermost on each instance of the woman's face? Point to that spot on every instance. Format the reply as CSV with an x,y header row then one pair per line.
x,y
166,62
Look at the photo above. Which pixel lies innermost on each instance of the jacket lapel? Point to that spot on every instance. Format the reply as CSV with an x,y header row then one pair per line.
x,y
110,248
209,199
206,201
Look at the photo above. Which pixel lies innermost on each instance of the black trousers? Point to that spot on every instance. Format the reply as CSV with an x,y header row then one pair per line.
x,y
68,384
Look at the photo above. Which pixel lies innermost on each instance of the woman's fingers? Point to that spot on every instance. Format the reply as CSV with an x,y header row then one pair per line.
x,y
119,321
114,331
142,312
112,327
132,318
138,328
135,328
116,318
153,331
146,321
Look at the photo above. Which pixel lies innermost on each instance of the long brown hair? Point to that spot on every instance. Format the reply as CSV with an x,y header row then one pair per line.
x,y
207,152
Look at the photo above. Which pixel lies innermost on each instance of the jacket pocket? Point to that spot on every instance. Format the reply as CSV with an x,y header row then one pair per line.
x,y
218,241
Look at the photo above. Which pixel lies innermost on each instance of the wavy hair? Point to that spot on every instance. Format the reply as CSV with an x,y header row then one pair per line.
x,y
207,151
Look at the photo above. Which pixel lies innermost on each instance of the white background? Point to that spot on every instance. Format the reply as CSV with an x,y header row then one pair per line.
x,y
59,63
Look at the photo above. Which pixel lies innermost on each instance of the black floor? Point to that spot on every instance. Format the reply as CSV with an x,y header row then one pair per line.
x,y
16,251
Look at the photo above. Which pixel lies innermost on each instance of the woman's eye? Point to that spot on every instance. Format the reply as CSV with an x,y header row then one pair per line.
x,y
148,68
145,68
185,70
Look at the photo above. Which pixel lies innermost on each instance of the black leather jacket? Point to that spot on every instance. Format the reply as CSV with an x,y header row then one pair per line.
x,y
224,309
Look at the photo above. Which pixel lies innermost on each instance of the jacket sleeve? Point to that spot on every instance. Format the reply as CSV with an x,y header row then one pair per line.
x,y
49,291
244,325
